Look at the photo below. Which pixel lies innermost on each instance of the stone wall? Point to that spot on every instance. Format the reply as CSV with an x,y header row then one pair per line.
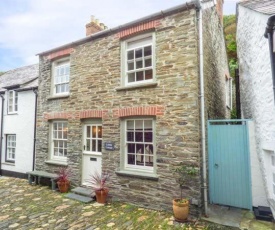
x,y
256,91
215,66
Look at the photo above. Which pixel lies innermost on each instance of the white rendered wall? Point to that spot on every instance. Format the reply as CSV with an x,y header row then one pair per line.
x,y
21,124
256,92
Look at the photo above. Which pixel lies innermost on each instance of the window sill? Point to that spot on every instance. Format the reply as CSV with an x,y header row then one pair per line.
x,y
130,87
58,97
9,163
55,162
141,175
13,113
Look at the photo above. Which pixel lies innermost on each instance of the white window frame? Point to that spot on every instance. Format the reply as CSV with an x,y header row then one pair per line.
x,y
12,101
124,61
228,91
10,147
53,138
91,138
138,168
66,78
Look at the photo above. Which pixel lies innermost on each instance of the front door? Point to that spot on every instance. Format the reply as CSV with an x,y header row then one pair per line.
x,y
92,156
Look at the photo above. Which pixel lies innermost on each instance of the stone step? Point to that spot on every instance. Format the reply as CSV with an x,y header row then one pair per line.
x,y
81,198
83,191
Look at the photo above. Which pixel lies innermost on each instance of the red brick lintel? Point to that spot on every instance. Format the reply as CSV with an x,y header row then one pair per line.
x,y
138,28
60,53
123,112
139,111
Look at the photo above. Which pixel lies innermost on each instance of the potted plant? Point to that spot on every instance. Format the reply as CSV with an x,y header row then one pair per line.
x,y
63,179
97,182
181,205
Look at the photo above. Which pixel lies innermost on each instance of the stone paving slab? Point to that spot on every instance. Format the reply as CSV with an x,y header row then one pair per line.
x,y
28,207
79,197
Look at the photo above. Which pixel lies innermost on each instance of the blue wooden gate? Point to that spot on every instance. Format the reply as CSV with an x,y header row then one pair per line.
x,y
229,163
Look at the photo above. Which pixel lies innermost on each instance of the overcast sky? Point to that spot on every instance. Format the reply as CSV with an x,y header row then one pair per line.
x,y
28,27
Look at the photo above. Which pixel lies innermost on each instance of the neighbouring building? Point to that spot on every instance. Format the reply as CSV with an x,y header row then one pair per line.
x,y
18,92
126,101
256,91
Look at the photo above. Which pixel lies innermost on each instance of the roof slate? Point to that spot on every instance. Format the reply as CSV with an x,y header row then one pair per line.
x,y
24,77
262,6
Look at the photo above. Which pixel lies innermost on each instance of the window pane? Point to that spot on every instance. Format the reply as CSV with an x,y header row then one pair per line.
x,y
94,145
148,62
147,50
88,130
99,145
130,55
131,159
148,137
139,64
139,125
139,137
138,53
88,146
65,152
131,77
130,65
131,148
148,124
148,74
99,131
130,125
140,76
130,136
94,131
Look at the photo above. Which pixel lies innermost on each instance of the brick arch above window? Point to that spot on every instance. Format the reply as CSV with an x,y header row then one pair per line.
x,y
144,26
139,111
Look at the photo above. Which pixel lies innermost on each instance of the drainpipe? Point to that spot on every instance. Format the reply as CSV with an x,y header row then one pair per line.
x,y
34,132
202,107
1,132
269,33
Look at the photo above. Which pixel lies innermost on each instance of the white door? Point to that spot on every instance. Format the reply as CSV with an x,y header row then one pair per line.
x,y
92,156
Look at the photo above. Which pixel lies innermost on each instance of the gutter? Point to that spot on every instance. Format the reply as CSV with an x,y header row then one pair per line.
x,y
1,132
103,33
34,131
202,108
269,33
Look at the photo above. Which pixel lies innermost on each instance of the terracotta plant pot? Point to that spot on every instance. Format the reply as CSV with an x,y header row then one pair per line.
x,y
63,186
181,210
101,196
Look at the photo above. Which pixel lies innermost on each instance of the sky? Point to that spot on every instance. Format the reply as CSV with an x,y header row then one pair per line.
x,y
28,27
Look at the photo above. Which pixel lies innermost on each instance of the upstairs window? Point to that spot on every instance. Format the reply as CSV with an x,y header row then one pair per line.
x,y
12,101
61,77
138,60
10,147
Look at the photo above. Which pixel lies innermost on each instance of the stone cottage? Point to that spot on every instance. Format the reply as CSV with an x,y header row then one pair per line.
x,y
257,98
127,101
18,94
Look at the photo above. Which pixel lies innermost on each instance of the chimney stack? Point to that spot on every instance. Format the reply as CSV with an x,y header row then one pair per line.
x,y
94,26
219,8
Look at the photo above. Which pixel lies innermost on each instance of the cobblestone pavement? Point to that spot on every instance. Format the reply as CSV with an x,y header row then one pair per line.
x,y
23,206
